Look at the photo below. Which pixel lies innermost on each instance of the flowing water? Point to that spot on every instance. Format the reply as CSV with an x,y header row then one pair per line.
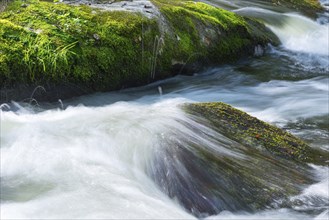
x,y
95,156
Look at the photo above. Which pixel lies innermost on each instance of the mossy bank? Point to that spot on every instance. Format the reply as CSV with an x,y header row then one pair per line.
x,y
73,50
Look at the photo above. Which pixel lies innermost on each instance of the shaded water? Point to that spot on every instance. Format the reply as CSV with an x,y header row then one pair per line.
x,y
97,157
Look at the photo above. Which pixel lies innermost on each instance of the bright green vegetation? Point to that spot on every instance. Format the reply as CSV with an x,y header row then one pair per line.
x,y
251,132
45,43
204,33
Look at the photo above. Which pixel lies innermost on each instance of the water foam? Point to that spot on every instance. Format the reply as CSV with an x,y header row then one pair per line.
x,y
84,162
302,34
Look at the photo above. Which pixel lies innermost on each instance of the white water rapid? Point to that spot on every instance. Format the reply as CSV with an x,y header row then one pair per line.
x,y
84,162
90,157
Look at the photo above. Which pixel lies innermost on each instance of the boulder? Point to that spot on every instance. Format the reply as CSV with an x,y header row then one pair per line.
x,y
96,48
254,133
225,159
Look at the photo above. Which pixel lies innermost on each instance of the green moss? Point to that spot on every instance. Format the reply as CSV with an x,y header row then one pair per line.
x,y
52,43
252,132
204,31
47,42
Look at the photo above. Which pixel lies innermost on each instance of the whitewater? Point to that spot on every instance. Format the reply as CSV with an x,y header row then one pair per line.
x,y
92,157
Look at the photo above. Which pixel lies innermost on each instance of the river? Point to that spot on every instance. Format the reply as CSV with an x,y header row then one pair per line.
x,y
90,157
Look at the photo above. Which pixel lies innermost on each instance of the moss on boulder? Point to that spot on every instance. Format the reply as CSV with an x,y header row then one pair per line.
x,y
224,159
55,44
252,132
197,32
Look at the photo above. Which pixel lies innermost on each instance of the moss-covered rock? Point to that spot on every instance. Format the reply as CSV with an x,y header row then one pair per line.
x,y
47,43
252,132
224,159
198,32
54,44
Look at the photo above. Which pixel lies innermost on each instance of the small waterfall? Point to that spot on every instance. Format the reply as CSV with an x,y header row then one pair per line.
x,y
304,41
296,32
301,34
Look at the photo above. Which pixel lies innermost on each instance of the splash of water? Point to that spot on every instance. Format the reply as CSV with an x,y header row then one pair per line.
x,y
4,106
298,34
61,103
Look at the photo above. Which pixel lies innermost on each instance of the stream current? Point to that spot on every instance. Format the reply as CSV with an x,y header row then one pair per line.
x,y
90,157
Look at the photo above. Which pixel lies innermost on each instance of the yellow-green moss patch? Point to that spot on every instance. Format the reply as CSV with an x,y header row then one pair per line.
x,y
252,132
209,33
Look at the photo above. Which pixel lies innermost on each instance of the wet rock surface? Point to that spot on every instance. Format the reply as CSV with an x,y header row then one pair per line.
x,y
229,169
144,7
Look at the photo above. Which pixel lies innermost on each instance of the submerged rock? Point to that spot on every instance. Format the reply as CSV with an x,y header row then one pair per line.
x,y
100,49
225,159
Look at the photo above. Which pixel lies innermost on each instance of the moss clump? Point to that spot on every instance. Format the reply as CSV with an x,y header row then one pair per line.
x,y
46,42
202,33
251,132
